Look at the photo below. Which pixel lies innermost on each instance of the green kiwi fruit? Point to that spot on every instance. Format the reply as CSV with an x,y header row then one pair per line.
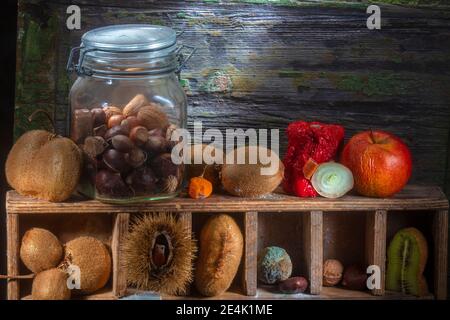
x,y
93,259
50,285
40,250
247,180
407,256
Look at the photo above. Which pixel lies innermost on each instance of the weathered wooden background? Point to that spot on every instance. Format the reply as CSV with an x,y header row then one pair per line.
x,y
263,66
265,63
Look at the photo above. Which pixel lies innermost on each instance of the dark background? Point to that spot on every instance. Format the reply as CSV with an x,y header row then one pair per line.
x,y
8,22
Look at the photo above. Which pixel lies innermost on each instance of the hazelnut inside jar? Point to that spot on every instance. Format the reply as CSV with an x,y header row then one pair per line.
x,y
125,103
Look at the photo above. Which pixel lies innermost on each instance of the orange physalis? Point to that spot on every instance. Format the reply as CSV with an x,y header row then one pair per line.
x,y
200,188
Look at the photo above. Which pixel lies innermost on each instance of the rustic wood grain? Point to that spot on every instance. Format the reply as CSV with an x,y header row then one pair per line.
x,y
327,293
249,274
310,61
376,226
440,234
13,246
411,198
313,249
119,233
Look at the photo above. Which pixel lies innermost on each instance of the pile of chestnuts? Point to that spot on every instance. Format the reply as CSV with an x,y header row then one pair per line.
x,y
127,151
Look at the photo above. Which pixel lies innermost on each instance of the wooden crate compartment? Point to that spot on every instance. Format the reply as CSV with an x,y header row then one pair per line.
x,y
433,225
303,226
347,237
198,221
290,232
108,228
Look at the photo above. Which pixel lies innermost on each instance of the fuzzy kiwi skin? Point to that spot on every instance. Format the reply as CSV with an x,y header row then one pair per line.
x,y
246,180
93,259
19,159
50,285
221,246
44,166
407,257
40,250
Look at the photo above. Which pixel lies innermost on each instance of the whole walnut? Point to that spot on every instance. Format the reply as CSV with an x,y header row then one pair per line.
x,y
332,272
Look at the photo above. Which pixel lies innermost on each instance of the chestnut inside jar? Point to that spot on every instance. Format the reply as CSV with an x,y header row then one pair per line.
x,y
125,104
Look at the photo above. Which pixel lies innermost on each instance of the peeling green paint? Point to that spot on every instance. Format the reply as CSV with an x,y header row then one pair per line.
x,y
186,86
368,84
218,81
230,80
34,85
373,84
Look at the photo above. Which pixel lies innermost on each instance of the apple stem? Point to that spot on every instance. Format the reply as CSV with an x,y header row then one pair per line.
x,y
49,117
372,136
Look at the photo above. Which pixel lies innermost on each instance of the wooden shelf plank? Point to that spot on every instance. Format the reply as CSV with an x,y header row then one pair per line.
x,y
411,198
327,293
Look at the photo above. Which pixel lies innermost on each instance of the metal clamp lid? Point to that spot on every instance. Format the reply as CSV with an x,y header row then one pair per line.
x,y
141,43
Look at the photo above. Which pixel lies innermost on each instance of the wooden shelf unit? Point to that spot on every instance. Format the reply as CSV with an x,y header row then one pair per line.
x,y
303,217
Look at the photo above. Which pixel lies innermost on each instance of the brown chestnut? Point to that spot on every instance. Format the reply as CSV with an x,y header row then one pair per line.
x,y
293,285
99,116
354,278
122,143
130,122
116,161
111,184
94,146
139,135
115,120
156,144
142,181
136,157
163,166
114,131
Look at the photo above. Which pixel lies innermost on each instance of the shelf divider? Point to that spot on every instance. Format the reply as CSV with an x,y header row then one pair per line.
x,y
250,254
13,244
440,234
376,226
120,231
313,249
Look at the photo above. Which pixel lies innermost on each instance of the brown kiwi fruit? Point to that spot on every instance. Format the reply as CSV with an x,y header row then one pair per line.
x,y
210,172
93,259
40,250
44,165
246,180
50,285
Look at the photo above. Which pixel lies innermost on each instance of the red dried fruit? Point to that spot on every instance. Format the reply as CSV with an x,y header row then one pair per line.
x,y
312,141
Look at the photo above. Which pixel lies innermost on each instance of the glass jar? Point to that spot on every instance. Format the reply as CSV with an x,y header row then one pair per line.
x,y
124,105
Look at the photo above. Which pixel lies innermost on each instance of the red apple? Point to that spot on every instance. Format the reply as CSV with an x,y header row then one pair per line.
x,y
380,162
